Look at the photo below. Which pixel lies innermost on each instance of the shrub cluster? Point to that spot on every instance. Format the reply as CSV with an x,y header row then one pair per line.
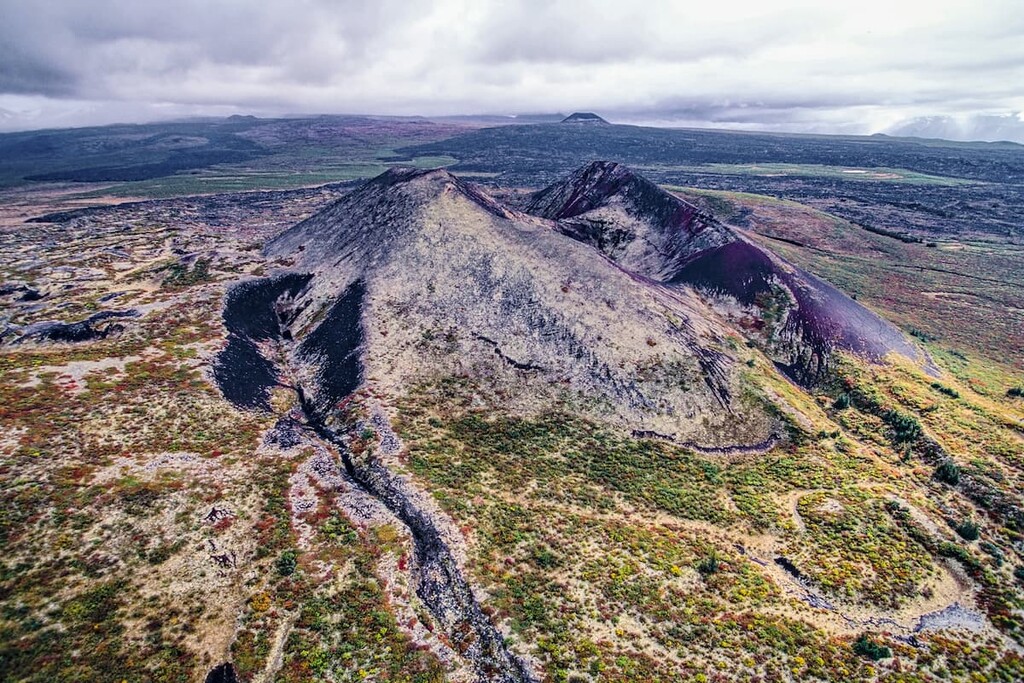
x,y
866,647
948,472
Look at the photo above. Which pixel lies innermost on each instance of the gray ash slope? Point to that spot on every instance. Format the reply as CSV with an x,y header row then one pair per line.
x,y
799,319
457,283
605,284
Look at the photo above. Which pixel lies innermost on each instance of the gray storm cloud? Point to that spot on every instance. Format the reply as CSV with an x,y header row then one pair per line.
x,y
790,65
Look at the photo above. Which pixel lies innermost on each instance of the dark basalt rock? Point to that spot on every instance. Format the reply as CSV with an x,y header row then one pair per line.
x,y
440,583
97,326
333,347
225,673
284,434
790,568
244,376
250,307
252,314
27,294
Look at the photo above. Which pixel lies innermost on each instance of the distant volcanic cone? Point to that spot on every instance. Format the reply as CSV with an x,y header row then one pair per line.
x,y
584,117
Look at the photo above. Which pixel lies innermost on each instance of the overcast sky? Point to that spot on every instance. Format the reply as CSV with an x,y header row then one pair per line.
x,y
858,67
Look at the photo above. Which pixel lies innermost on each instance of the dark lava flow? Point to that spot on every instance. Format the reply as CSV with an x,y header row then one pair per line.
x,y
440,583
225,673
334,347
244,376
261,310
96,326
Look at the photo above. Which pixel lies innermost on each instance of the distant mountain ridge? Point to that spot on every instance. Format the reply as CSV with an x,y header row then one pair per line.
x,y
1006,128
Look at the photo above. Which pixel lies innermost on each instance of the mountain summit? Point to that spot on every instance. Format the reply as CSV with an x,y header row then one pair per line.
x,y
584,117
629,218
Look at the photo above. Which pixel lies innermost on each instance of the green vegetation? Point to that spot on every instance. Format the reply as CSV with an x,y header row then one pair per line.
x,y
848,532
905,428
866,647
948,472
179,276
709,564
577,476
842,402
286,563
968,530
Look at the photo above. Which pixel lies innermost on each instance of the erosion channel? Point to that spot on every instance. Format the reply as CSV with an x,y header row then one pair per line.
x,y
258,315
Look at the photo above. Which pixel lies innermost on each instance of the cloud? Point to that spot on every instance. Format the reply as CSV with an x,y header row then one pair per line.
x,y
800,64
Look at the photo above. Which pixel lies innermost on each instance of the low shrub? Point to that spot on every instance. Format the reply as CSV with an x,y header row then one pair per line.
x,y
709,564
286,563
905,428
866,647
968,530
948,472
961,555
943,389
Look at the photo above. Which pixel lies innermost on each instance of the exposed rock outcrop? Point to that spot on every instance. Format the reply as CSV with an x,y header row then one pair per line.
x,y
97,326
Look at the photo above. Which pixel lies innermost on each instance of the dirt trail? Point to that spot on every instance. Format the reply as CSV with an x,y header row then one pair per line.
x,y
275,657
950,607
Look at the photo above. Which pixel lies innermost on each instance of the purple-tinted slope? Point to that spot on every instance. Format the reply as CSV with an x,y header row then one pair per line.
x,y
803,317
738,269
814,318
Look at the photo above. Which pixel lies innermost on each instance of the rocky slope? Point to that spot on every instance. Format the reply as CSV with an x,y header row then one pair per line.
x,y
456,282
798,318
